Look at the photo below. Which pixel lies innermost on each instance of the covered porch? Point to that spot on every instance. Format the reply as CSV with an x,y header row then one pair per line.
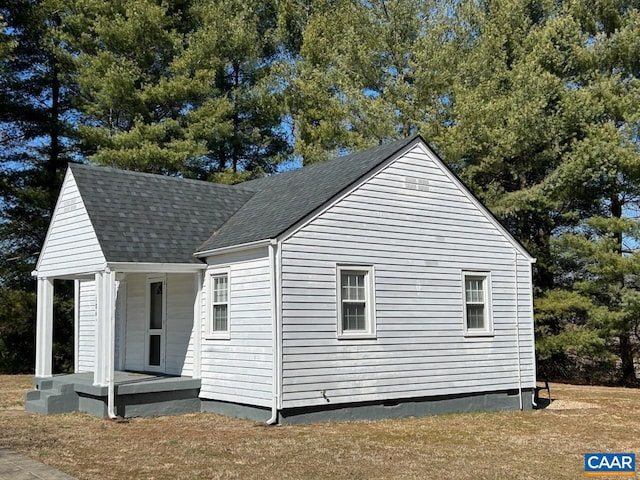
x,y
136,394
127,240
136,338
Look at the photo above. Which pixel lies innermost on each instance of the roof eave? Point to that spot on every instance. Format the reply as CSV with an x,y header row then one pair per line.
x,y
234,248
151,267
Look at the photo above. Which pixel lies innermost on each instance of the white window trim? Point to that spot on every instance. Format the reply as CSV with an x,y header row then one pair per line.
x,y
488,311
370,310
210,334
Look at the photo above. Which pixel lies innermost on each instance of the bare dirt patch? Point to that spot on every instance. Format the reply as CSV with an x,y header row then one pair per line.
x,y
570,405
539,444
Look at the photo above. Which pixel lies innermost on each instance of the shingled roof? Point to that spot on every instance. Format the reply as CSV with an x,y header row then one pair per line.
x,y
141,217
284,199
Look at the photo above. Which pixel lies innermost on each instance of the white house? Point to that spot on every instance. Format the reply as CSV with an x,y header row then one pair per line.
x,y
374,285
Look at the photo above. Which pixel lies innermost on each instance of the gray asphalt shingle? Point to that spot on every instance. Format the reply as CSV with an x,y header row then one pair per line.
x,y
284,199
141,217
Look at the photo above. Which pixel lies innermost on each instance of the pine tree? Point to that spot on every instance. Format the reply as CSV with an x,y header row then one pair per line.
x,y
231,60
130,110
603,171
355,82
508,118
180,88
36,143
541,122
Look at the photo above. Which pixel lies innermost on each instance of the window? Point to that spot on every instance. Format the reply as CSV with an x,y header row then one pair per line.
x,y
219,305
155,305
155,326
356,310
477,303
156,302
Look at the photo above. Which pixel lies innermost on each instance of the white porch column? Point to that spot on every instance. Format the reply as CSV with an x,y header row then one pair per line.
x,y
197,326
76,326
44,327
98,363
105,328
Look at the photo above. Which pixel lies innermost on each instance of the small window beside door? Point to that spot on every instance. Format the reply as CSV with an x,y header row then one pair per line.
x,y
218,322
155,326
155,305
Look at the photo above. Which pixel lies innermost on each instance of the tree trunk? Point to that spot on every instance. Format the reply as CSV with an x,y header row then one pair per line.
x,y
626,357
626,346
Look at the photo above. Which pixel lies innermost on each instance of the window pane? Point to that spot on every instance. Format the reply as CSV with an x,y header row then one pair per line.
x,y
475,316
353,286
220,318
154,350
474,290
220,289
353,316
155,311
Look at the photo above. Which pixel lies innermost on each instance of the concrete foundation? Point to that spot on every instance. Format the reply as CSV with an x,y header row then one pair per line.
x,y
146,395
414,407
250,412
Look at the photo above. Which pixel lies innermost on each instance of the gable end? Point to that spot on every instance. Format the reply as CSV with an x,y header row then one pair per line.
x,y
71,246
420,143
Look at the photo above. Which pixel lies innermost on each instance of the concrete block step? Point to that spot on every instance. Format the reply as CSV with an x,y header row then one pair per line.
x,y
36,406
64,388
43,383
52,401
52,392
61,404
33,395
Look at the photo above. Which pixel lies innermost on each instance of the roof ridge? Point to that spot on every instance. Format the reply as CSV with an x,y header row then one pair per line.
x,y
157,176
267,194
369,151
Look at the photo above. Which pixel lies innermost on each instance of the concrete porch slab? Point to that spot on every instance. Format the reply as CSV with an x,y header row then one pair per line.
x,y
137,394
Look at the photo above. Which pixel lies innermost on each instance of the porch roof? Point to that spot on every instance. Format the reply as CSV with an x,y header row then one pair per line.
x,y
145,218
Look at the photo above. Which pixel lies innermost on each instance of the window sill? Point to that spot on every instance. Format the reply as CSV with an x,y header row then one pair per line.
x,y
218,336
479,333
357,336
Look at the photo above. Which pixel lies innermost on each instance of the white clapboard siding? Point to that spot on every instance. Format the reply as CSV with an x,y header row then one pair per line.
x,y
71,246
180,292
135,336
419,231
121,324
179,344
86,325
239,369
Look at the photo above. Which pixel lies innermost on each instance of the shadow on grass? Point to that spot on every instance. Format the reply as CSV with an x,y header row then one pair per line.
x,y
543,402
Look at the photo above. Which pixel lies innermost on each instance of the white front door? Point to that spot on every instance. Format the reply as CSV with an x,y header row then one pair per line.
x,y
156,320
